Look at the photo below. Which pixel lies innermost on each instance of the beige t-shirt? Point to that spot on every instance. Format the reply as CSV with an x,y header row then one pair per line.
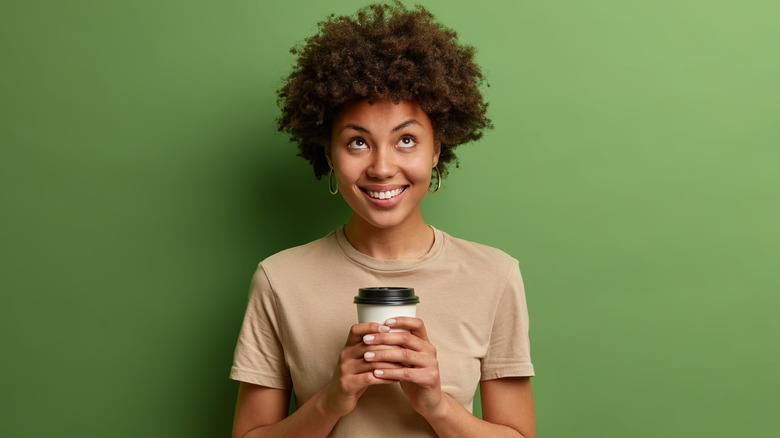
x,y
300,311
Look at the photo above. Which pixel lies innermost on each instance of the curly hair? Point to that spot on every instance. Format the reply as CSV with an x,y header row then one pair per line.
x,y
385,52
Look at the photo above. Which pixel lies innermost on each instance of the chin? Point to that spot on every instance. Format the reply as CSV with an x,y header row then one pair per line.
x,y
384,222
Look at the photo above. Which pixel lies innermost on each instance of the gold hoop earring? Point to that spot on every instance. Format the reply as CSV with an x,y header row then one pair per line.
x,y
438,180
330,183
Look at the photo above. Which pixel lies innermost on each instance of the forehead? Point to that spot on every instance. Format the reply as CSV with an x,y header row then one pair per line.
x,y
380,116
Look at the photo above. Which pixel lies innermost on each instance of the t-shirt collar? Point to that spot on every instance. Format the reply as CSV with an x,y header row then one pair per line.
x,y
389,265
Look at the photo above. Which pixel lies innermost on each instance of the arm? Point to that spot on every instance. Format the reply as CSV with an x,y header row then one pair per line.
x,y
262,411
509,401
503,399
257,406
507,411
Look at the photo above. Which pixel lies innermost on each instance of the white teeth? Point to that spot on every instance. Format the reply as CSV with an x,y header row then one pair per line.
x,y
385,195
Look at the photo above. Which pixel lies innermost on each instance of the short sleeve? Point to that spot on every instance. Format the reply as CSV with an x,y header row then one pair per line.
x,y
259,355
509,350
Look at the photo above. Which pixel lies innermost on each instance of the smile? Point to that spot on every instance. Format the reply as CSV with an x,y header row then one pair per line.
x,y
385,195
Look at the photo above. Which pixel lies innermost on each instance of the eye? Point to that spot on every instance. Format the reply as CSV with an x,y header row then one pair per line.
x,y
357,143
407,141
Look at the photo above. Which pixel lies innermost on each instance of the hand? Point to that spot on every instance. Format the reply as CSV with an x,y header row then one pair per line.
x,y
419,375
354,374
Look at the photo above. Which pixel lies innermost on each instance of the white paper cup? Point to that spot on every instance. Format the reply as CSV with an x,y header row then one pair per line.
x,y
378,304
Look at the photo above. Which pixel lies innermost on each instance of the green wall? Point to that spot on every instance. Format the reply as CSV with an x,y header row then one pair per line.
x,y
632,172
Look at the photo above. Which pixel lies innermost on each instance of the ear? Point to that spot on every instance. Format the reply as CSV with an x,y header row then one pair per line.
x,y
326,151
436,153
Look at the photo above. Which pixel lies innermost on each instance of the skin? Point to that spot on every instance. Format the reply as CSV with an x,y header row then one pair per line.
x,y
386,147
382,147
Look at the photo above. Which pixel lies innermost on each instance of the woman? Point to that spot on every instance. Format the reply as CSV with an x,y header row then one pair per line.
x,y
377,103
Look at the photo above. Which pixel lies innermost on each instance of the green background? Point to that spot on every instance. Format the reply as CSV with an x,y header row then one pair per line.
x,y
632,171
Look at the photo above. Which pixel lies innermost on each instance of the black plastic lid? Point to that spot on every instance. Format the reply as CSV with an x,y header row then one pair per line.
x,y
388,296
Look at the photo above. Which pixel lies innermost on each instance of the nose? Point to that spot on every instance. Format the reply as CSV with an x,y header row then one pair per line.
x,y
382,164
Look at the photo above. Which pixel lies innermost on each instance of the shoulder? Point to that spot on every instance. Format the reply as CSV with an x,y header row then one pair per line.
x,y
462,248
480,260
299,256
297,265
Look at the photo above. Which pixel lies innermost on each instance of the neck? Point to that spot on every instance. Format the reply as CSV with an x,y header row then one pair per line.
x,y
410,240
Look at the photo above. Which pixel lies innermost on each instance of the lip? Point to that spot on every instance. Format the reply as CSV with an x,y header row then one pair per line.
x,y
384,203
383,188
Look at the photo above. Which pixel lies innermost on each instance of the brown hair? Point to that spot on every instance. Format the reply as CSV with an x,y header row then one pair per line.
x,y
385,52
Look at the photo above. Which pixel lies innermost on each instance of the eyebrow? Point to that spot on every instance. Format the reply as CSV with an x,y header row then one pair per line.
x,y
405,124
394,130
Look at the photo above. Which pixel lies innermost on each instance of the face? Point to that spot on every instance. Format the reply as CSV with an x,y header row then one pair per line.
x,y
382,156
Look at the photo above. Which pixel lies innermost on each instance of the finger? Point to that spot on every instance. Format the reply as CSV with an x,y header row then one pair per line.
x,y
375,347
413,325
353,372
371,378
424,378
358,382
397,356
402,339
357,331
369,367
355,353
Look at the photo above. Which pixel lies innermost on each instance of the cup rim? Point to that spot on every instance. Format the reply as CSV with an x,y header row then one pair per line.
x,y
386,295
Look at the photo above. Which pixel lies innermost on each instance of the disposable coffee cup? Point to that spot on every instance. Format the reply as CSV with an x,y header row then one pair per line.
x,y
378,304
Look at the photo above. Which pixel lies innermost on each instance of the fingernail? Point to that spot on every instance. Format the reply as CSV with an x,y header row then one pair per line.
x,y
368,338
378,372
384,328
369,355
390,321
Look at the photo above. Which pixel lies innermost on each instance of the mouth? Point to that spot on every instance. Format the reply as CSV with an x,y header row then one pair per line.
x,y
389,194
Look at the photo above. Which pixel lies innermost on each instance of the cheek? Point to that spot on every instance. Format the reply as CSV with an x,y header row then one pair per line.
x,y
423,167
346,173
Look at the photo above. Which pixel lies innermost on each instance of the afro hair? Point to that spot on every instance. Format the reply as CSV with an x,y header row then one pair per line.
x,y
385,51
